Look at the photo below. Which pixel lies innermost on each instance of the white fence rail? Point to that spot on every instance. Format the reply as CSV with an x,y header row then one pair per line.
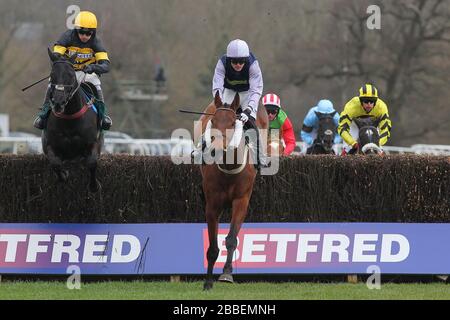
x,y
158,147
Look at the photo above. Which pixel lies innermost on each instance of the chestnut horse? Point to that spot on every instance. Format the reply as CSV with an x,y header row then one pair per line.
x,y
228,184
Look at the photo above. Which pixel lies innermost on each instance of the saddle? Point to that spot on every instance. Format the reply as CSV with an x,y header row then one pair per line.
x,y
89,90
92,98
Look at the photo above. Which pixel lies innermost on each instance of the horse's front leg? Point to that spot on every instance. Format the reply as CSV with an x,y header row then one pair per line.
x,y
212,218
91,164
57,165
240,207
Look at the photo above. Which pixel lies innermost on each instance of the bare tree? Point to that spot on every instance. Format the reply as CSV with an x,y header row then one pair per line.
x,y
404,58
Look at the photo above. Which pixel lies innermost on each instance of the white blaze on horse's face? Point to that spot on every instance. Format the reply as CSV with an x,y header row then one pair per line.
x,y
369,133
225,124
371,148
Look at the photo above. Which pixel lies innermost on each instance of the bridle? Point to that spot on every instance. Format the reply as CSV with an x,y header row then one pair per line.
x,y
62,87
324,133
234,142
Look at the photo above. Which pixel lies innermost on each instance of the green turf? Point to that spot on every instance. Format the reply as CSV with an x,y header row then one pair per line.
x,y
162,290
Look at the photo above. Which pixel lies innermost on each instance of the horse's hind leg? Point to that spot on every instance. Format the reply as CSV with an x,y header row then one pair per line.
x,y
56,165
239,212
212,215
91,163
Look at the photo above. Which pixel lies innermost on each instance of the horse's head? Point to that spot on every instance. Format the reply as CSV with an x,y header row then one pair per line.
x,y
228,131
326,131
369,138
63,81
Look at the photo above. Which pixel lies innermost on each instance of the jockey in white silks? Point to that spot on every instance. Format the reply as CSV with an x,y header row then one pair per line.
x,y
238,71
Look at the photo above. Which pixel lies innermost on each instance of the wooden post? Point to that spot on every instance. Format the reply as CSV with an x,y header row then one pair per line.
x,y
352,278
175,279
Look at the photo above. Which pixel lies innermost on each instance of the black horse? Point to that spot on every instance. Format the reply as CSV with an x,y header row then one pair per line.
x,y
323,144
369,138
72,132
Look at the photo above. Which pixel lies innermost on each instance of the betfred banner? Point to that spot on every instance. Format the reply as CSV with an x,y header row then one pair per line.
x,y
396,248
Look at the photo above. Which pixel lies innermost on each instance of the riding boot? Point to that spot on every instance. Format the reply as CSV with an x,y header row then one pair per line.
x,y
105,120
261,158
41,120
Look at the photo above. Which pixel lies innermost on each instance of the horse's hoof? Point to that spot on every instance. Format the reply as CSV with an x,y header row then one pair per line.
x,y
226,277
207,285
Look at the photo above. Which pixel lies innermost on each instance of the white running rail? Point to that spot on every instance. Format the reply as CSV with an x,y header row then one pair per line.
x,y
158,147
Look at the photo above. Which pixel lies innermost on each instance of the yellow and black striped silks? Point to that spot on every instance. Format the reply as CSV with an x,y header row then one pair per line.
x,y
87,53
353,110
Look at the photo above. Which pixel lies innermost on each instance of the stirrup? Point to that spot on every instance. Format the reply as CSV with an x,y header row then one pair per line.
x,y
263,164
106,123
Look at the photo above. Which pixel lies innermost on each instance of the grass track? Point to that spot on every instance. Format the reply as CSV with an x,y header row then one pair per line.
x,y
192,290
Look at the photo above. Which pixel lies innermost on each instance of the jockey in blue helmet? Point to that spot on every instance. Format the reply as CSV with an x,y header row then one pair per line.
x,y
311,122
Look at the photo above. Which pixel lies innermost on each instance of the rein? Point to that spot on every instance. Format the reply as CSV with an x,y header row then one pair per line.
x,y
61,87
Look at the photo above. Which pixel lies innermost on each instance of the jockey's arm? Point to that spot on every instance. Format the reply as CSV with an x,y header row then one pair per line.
x,y
218,79
62,43
256,86
305,134
337,137
384,125
288,136
308,126
101,66
344,126
59,50
101,58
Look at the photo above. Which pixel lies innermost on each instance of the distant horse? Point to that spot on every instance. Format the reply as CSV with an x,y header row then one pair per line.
x,y
275,146
323,144
369,138
72,132
226,184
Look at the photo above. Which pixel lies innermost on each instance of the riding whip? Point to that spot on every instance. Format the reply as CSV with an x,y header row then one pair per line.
x,y
195,112
33,84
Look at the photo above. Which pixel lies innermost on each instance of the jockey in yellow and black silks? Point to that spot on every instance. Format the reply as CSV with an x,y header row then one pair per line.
x,y
92,61
367,105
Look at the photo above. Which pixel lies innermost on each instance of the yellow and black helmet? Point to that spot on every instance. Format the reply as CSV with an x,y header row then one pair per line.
x,y
368,91
86,20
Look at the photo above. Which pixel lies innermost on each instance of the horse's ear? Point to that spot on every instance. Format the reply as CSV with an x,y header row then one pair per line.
x,y
53,57
236,102
217,100
73,57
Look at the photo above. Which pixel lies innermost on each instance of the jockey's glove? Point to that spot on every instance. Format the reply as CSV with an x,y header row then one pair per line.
x,y
245,115
88,69
355,146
